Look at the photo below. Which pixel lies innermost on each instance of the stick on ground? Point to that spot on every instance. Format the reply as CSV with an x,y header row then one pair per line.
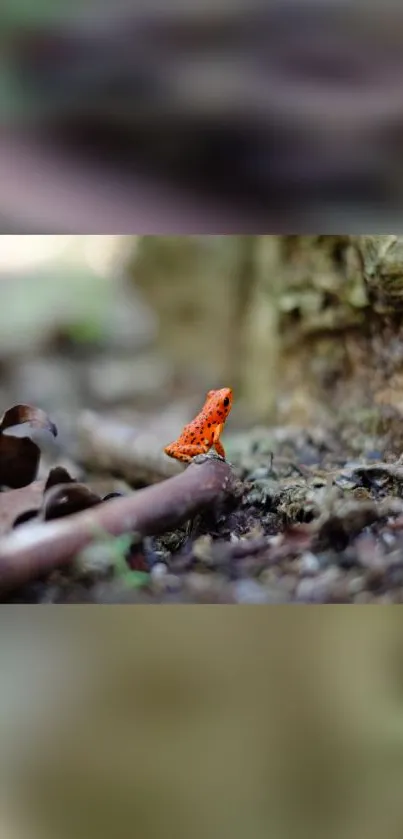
x,y
37,549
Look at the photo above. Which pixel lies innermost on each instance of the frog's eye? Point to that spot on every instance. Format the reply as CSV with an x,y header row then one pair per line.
x,y
226,402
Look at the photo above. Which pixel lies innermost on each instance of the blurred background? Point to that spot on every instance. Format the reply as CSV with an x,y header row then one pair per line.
x,y
216,117
306,329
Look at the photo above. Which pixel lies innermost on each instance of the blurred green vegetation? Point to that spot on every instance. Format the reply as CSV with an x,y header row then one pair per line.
x,y
24,13
76,299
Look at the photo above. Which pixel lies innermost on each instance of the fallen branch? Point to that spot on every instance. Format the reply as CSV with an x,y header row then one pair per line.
x,y
116,447
37,549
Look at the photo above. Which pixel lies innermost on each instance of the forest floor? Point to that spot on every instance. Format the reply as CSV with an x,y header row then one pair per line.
x,y
293,516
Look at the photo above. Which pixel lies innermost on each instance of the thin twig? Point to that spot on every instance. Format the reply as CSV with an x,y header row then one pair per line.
x,y
37,549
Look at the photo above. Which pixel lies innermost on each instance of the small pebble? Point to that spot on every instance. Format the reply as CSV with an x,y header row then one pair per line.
x,y
306,589
249,591
275,540
202,548
162,580
259,474
158,576
309,563
158,571
355,586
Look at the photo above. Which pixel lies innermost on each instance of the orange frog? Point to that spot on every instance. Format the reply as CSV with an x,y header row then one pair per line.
x,y
205,430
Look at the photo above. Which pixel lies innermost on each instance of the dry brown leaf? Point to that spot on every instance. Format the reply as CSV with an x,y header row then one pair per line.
x,y
19,456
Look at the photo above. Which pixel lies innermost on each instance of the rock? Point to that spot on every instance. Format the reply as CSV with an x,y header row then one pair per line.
x,y
159,571
355,586
309,564
250,591
163,581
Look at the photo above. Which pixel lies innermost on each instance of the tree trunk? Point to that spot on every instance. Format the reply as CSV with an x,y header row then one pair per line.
x,y
308,329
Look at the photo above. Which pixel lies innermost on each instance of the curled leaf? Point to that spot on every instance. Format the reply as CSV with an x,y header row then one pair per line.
x,y
58,475
27,515
65,499
19,456
19,461
21,414
61,496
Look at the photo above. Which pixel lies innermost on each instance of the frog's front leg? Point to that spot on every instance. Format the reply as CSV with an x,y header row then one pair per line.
x,y
216,441
186,452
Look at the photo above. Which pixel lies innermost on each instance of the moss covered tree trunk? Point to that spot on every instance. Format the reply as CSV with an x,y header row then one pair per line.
x,y
308,329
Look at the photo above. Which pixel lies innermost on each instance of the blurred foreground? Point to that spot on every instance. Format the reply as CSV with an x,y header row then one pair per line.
x,y
201,723
222,118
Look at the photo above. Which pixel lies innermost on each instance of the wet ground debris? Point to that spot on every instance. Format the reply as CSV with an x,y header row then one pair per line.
x,y
296,519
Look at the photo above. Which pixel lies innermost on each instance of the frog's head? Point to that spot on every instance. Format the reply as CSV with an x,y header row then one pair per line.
x,y
221,401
